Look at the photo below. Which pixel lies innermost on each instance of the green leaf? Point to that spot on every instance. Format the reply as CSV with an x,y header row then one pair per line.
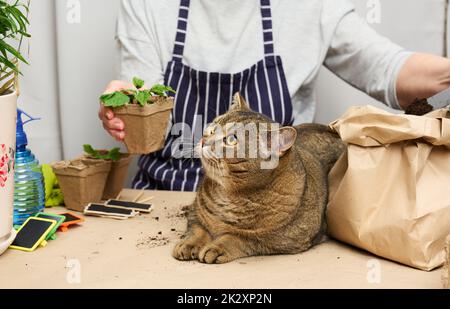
x,y
13,28
89,150
9,48
8,64
113,155
142,97
115,99
138,83
161,90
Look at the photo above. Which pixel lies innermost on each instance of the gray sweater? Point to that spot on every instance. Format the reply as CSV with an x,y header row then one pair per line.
x,y
226,36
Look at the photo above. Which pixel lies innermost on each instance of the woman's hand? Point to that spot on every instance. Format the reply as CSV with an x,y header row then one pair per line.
x,y
422,76
113,125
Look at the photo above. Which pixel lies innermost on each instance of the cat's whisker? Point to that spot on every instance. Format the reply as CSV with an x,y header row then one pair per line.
x,y
213,156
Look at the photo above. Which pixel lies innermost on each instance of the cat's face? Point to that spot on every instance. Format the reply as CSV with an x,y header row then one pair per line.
x,y
238,144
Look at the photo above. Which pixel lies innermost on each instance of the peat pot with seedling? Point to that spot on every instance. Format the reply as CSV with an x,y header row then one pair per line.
x,y
119,168
13,28
82,181
145,113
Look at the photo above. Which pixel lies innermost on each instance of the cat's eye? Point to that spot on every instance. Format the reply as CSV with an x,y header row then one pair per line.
x,y
232,140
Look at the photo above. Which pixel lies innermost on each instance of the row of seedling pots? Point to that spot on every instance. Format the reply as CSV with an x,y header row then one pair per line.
x,y
92,178
100,175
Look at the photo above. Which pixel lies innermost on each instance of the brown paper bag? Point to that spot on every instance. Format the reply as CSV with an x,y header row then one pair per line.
x,y
446,270
390,193
81,181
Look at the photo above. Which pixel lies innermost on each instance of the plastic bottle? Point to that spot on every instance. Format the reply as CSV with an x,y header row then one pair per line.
x,y
29,194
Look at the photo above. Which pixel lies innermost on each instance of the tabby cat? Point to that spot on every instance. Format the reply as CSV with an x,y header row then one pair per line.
x,y
244,210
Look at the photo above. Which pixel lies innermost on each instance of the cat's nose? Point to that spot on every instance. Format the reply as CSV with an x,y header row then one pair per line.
x,y
202,142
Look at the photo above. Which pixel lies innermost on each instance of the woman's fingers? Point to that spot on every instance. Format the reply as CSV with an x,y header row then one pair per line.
x,y
118,135
114,126
103,112
117,85
106,115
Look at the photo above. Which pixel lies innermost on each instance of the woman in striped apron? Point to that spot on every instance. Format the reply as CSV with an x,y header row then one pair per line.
x,y
202,96
310,34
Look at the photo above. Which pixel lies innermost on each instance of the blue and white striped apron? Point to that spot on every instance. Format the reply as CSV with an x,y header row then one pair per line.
x,y
202,96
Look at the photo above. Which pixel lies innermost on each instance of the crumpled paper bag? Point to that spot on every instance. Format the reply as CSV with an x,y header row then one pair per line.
x,y
390,192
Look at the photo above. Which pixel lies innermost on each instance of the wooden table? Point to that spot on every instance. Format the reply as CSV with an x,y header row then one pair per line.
x,y
136,253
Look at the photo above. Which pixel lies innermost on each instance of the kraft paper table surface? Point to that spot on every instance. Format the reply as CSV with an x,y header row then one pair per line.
x,y
105,253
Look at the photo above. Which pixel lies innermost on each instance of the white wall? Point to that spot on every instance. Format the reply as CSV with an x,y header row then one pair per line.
x,y
447,38
39,84
399,22
86,62
71,65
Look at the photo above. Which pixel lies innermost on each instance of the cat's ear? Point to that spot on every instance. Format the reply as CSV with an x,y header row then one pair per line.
x,y
239,103
286,139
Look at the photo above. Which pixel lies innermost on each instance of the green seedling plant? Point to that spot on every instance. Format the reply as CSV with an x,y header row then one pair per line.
x,y
113,154
13,28
139,95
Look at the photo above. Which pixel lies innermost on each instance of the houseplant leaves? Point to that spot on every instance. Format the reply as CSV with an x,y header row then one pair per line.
x,y
135,96
113,155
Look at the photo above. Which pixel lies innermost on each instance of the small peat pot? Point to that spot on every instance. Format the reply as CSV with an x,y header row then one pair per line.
x,y
117,174
82,181
146,126
145,113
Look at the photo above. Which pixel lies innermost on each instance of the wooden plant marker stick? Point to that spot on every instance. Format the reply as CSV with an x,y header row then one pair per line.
x,y
148,199
119,195
139,196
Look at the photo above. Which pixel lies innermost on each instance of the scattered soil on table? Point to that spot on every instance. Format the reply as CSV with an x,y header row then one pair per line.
x,y
174,215
419,108
181,214
152,242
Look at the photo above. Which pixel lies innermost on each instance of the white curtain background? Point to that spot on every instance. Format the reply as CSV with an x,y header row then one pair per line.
x,y
73,57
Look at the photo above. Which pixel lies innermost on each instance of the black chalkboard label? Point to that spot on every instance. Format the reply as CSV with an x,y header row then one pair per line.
x,y
31,233
108,210
70,218
130,205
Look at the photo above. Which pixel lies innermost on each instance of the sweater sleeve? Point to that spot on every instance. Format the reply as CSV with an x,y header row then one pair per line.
x,y
138,51
365,59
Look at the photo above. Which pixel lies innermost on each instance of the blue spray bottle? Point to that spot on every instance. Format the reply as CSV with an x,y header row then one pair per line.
x,y
29,195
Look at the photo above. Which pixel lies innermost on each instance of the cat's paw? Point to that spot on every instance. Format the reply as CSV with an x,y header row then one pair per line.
x,y
185,251
214,254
